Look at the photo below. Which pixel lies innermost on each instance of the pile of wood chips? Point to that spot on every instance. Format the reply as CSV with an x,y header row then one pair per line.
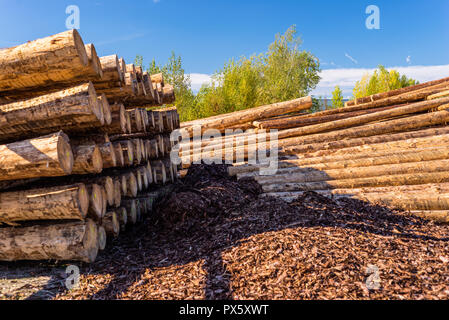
x,y
227,242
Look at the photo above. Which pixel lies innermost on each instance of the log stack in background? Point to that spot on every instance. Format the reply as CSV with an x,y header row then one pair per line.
x,y
389,148
81,156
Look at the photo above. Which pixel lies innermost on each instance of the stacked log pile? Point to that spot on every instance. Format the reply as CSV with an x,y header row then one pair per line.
x,y
389,148
81,156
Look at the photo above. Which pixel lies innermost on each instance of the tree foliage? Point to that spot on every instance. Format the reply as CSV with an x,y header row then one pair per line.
x,y
282,73
337,98
381,80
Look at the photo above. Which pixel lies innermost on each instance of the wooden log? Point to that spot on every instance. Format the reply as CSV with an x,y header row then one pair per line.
x,y
158,78
107,115
78,240
148,85
168,94
66,241
112,74
363,119
435,215
117,193
131,185
404,97
414,139
123,184
138,175
119,154
128,151
87,159
122,66
396,92
119,121
93,70
108,185
252,114
111,224
131,208
47,156
159,172
310,174
137,151
108,155
104,205
149,172
136,120
39,115
95,210
313,133
122,216
57,59
350,160
394,180
302,121
102,238
53,203
419,199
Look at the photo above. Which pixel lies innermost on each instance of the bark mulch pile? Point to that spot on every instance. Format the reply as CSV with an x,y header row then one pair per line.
x,y
214,238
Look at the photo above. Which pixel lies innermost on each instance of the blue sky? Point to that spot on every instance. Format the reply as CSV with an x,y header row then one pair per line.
x,y
413,35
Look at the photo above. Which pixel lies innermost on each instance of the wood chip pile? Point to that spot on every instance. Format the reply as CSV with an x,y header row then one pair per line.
x,y
81,157
389,148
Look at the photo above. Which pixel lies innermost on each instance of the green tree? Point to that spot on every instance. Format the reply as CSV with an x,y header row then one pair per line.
x,y
282,73
337,98
381,80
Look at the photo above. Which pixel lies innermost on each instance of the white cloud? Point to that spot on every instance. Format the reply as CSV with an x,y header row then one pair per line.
x,y
346,78
351,58
408,59
198,79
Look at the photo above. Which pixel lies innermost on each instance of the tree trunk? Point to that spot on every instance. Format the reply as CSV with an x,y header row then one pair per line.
x,y
311,174
54,203
351,160
102,238
108,155
159,172
119,154
111,224
87,159
43,63
252,114
47,156
39,115
95,210
65,241
122,216
131,208
382,181
302,121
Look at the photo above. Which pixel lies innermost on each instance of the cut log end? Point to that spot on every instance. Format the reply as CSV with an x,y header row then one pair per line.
x,y
65,154
80,48
83,199
102,238
90,241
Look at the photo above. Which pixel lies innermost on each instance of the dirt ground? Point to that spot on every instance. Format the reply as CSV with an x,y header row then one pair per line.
x,y
215,238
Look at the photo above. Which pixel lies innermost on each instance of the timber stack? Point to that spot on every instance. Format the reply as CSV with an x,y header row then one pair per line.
x,y
82,156
389,148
